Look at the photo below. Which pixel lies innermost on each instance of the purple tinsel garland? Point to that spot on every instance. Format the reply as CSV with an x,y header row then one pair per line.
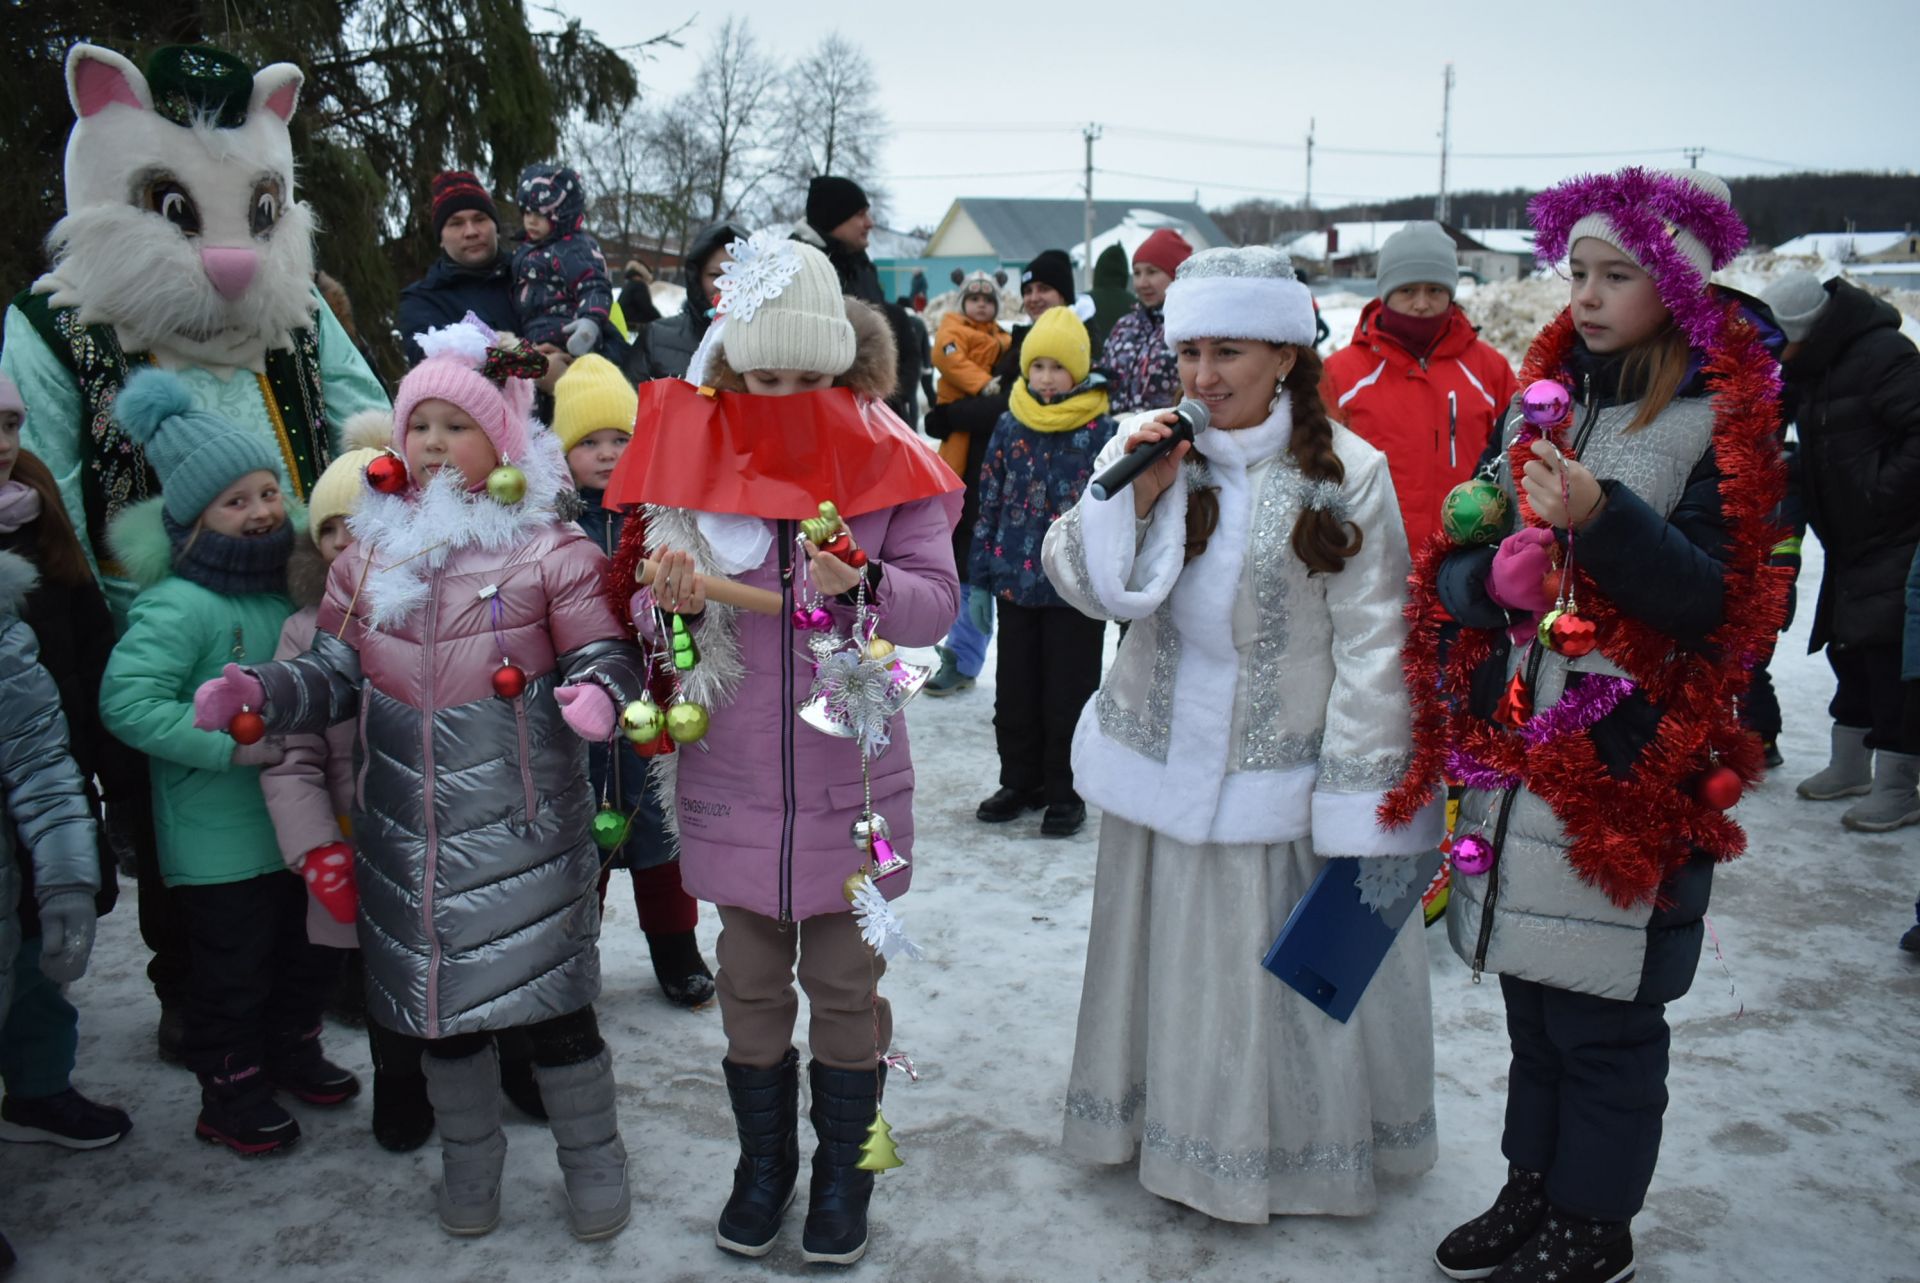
x,y
1646,208
1589,697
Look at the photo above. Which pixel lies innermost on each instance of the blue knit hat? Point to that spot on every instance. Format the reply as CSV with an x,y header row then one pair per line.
x,y
196,453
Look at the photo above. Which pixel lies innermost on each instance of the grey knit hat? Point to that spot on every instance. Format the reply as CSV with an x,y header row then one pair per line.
x,y
1418,254
1796,301
195,452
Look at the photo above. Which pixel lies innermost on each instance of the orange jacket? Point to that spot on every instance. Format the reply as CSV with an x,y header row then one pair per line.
x,y
964,351
1398,403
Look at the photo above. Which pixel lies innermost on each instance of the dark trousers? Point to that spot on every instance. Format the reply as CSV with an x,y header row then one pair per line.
x,y
1868,695
1585,1095
258,983
571,1039
163,927
1049,667
1760,707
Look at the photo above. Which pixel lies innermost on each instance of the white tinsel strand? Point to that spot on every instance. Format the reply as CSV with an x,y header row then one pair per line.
x,y
880,927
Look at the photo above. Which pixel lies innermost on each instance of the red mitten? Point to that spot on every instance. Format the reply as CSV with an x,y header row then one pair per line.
x,y
1520,568
329,873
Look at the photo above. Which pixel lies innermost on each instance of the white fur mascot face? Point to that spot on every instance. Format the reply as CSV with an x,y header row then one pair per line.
x,y
185,237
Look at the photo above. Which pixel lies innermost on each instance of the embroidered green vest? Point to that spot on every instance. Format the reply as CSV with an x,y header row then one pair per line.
x,y
114,472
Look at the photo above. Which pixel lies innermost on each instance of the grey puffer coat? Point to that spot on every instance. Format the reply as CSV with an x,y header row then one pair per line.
x,y
471,812
41,801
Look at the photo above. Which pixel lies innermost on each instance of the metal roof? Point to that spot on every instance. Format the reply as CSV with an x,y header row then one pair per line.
x,y
1019,228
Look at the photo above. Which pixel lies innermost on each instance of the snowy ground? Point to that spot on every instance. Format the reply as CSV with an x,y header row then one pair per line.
x,y
1792,1148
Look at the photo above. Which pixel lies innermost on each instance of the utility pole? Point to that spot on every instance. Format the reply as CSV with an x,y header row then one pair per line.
x,y
1091,133
1693,155
1446,124
1309,201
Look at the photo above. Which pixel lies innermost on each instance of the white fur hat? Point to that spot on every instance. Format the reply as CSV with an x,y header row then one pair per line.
x,y
784,308
1248,292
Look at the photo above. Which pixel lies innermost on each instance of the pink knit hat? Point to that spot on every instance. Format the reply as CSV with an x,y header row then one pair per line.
x,y
485,374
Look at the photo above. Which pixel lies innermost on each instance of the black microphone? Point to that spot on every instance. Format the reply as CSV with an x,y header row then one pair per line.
x,y
1190,417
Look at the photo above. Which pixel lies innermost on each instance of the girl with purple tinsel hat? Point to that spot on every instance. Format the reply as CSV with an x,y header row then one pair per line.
x,y
1589,697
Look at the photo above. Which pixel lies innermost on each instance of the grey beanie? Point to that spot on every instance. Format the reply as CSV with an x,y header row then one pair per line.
x,y
1796,301
1418,254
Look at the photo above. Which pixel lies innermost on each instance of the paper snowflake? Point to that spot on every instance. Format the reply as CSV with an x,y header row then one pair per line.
x,y
1384,879
880,927
763,265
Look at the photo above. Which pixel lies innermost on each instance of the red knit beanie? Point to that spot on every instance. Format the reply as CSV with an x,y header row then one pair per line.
x,y
1166,249
455,190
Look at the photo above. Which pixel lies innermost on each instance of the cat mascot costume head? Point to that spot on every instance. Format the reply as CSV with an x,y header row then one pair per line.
x,y
183,245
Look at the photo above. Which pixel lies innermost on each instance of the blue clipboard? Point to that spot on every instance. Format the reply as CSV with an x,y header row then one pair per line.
x,y
1332,942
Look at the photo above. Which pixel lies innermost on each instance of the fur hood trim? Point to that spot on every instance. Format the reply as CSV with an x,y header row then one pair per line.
x,y
17,578
875,371
411,534
306,571
138,539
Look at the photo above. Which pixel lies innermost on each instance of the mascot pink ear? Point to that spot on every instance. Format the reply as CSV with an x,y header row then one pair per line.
x,y
277,88
98,78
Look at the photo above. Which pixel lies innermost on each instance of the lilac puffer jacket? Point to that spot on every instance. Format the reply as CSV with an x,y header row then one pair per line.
x,y
765,804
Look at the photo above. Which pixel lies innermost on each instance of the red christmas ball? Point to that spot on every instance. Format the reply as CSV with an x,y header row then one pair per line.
x,y
509,680
1719,788
247,727
387,474
857,559
659,747
1571,635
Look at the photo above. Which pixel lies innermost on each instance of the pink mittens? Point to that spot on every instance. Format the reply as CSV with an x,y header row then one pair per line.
x,y
217,700
1520,568
588,710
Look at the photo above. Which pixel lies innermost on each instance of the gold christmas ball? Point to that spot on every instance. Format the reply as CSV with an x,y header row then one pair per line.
x,y
851,887
507,484
643,720
879,648
687,722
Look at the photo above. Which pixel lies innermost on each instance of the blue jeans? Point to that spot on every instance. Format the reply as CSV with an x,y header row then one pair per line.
x,y
40,1036
968,644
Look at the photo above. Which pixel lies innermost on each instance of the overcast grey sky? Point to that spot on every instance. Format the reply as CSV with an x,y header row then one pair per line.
x,y
1550,88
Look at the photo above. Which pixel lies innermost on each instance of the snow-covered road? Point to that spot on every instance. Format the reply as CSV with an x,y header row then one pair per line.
x,y
1792,1147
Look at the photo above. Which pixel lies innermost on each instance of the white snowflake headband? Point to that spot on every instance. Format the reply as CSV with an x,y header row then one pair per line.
x,y
762,266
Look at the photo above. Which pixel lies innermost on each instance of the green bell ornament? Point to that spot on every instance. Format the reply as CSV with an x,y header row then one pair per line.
x,y
507,484
609,829
685,653
1474,512
642,721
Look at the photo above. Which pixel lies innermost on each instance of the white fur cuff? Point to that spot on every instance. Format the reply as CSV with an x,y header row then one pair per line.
x,y
1346,824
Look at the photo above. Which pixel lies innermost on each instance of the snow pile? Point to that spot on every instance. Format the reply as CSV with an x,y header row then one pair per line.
x,y
1132,230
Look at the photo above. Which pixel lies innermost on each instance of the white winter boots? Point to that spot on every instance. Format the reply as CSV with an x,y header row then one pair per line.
x,y
1889,783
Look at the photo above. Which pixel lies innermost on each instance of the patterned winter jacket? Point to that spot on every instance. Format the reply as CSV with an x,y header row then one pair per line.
x,y
1143,373
563,277
471,810
1028,481
41,802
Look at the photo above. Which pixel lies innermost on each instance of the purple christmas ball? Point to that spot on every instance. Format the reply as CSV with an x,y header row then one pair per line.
x,y
1472,854
1545,403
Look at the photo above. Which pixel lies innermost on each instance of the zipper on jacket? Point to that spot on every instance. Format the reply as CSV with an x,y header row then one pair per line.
x,y
614,796
1534,661
526,758
366,758
783,535
431,861
1453,430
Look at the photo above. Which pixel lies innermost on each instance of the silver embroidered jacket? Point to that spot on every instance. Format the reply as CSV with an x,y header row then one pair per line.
x,y
1251,701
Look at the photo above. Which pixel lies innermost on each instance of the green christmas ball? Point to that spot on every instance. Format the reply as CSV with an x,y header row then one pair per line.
x,y
642,721
507,484
1474,512
686,722
609,829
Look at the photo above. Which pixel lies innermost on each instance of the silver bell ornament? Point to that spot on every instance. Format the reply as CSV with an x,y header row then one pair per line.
x,y
868,827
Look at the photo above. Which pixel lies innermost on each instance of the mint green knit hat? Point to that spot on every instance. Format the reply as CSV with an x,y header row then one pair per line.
x,y
195,452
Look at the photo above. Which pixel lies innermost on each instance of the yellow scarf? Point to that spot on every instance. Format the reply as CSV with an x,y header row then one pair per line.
x,y
1076,410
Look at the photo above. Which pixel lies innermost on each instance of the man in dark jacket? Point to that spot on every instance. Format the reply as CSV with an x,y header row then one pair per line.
x,y
673,339
471,274
1853,394
839,225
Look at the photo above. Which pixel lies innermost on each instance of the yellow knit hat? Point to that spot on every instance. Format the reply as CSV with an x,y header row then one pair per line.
x,y
1061,335
337,492
590,396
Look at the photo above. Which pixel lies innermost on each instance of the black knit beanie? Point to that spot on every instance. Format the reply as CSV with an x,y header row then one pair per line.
x,y
832,201
1050,267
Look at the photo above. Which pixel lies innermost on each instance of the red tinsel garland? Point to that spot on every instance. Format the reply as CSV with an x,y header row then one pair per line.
x,y
1628,834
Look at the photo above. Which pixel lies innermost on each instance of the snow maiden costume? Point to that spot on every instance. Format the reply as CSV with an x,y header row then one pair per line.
x,y
765,805
1246,733
182,245
455,630
1600,757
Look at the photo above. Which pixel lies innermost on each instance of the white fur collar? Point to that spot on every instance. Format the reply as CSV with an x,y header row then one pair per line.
x,y
409,536
1244,447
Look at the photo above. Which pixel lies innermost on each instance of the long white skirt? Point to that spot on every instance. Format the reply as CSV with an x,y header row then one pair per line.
x,y
1241,1098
